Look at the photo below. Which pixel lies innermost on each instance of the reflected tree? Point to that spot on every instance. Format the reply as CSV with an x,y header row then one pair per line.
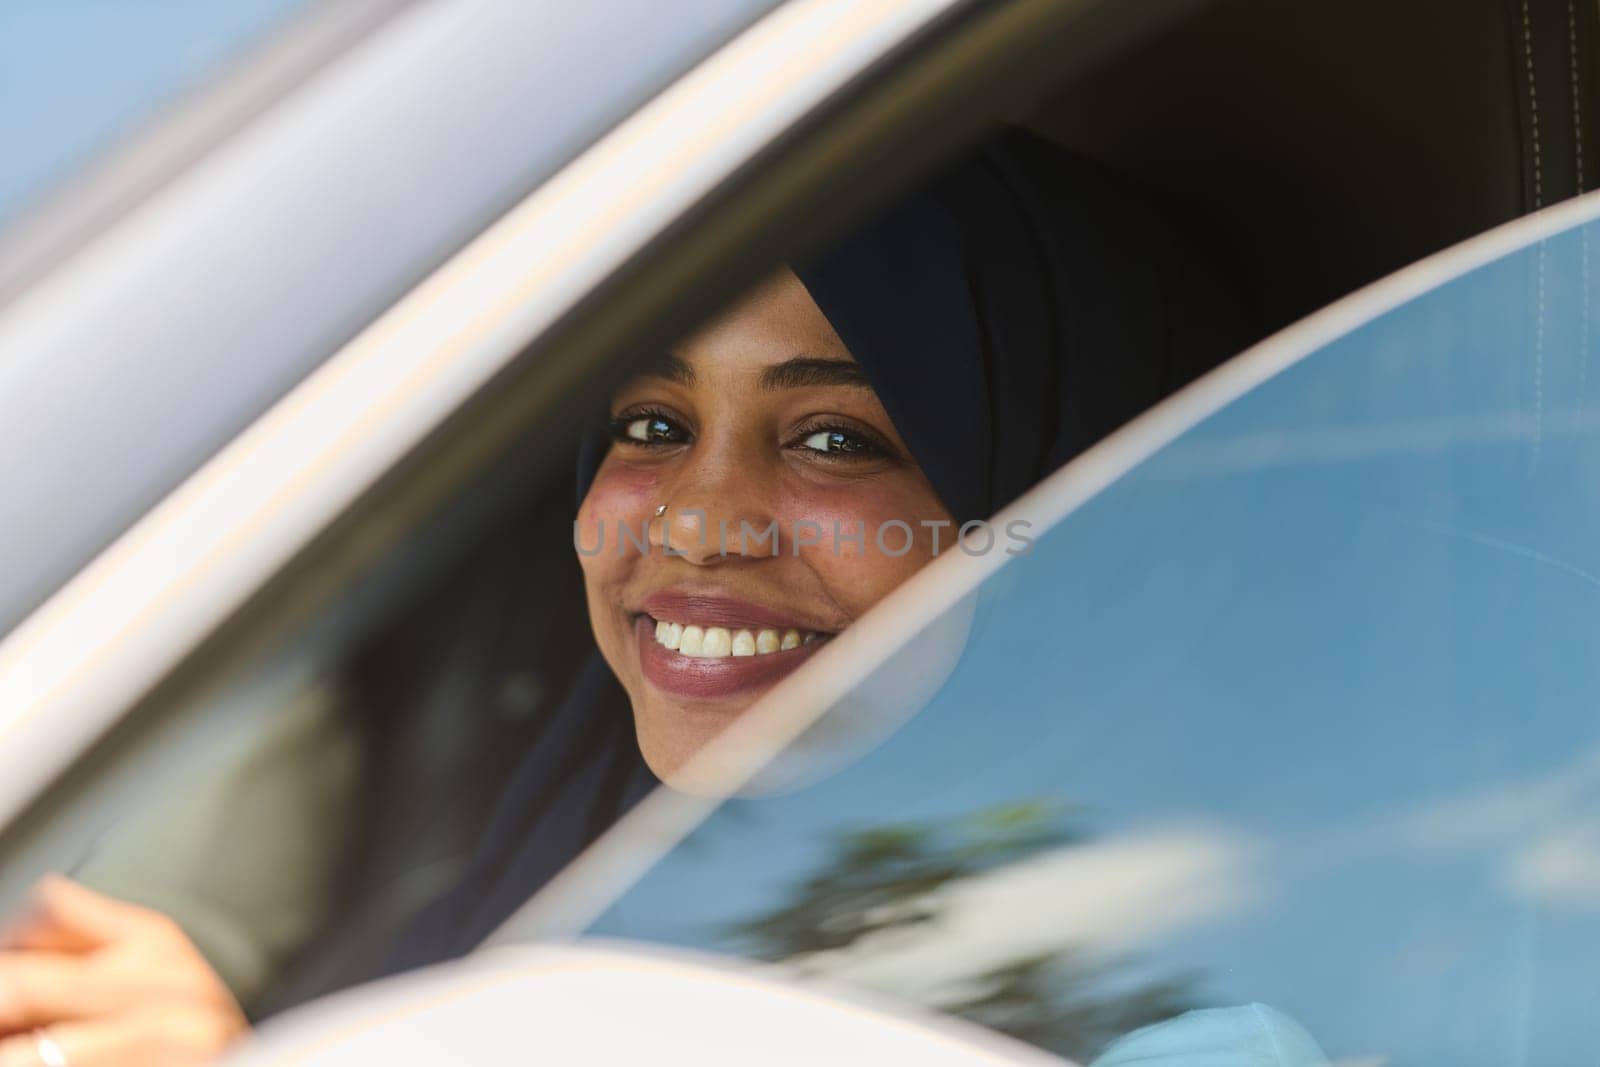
x,y
1071,1006
884,882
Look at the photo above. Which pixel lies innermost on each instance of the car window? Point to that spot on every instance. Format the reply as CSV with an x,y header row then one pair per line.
x,y
1299,711
77,78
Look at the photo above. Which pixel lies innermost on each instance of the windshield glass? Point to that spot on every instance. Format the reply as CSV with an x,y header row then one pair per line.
x,y
80,77
1300,711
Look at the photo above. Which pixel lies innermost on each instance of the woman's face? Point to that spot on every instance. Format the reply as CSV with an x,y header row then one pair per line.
x,y
762,422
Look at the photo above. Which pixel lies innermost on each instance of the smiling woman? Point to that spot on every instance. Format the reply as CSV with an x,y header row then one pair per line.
x,y
740,434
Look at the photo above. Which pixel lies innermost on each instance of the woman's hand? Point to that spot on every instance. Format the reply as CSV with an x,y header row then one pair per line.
x,y
110,983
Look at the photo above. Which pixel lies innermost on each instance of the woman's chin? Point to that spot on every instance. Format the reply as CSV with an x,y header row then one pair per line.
x,y
672,730
686,701
669,742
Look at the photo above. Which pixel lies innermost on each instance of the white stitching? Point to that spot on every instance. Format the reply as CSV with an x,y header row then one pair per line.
x,y
1533,108
1538,202
1577,93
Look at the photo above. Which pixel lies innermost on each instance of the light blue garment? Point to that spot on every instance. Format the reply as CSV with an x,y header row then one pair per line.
x,y
1250,1036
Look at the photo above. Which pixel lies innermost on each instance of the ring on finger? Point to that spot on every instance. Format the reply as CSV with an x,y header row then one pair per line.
x,y
50,1053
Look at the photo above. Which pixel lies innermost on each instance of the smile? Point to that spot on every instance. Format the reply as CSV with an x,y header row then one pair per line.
x,y
714,642
704,661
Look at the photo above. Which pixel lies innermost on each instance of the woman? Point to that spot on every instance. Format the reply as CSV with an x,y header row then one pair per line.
x,y
925,372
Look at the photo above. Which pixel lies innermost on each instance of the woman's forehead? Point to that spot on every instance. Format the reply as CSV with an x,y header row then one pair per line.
x,y
775,321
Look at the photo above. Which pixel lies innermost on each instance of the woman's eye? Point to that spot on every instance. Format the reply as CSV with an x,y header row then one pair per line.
x,y
648,430
836,442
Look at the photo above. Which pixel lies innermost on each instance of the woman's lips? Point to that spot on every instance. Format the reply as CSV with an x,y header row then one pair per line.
x,y
705,677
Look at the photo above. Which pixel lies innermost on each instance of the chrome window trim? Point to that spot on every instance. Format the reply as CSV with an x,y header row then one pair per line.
x,y
76,664
582,892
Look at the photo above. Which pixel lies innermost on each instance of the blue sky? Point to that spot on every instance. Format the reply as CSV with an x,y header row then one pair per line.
x,y
77,75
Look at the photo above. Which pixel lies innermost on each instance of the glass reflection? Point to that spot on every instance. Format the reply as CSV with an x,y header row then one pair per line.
x,y
966,915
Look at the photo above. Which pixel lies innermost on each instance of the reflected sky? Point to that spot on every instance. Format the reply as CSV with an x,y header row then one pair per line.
x,y
1319,682
78,75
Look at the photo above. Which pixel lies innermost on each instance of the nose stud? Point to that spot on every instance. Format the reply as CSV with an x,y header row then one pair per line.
x,y
660,511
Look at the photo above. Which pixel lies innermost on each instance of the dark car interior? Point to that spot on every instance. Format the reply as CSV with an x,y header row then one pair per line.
x,y
1330,144
1318,145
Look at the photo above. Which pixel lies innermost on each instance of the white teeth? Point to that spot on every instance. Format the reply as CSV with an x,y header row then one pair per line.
x,y
715,642
718,643
690,640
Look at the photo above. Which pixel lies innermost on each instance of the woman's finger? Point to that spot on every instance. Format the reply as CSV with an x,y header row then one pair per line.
x,y
148,1039
38,988
79,1044
22,1051
63,916
30,932
65,1042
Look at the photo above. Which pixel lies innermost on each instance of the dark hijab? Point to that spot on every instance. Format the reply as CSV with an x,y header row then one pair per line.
x,y
1009,312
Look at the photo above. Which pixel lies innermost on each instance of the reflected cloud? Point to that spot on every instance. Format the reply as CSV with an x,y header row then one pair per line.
x,y
1509,809
1562,867
1106,897
1546,827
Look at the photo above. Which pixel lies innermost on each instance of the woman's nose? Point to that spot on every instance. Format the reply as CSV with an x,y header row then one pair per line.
x,y
714,516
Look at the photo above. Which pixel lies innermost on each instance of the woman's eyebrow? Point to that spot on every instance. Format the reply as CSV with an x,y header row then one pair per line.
x,y
809,371
671,368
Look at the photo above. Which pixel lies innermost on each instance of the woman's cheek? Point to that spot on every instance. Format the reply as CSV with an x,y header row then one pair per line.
x,y
868,542
619,496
